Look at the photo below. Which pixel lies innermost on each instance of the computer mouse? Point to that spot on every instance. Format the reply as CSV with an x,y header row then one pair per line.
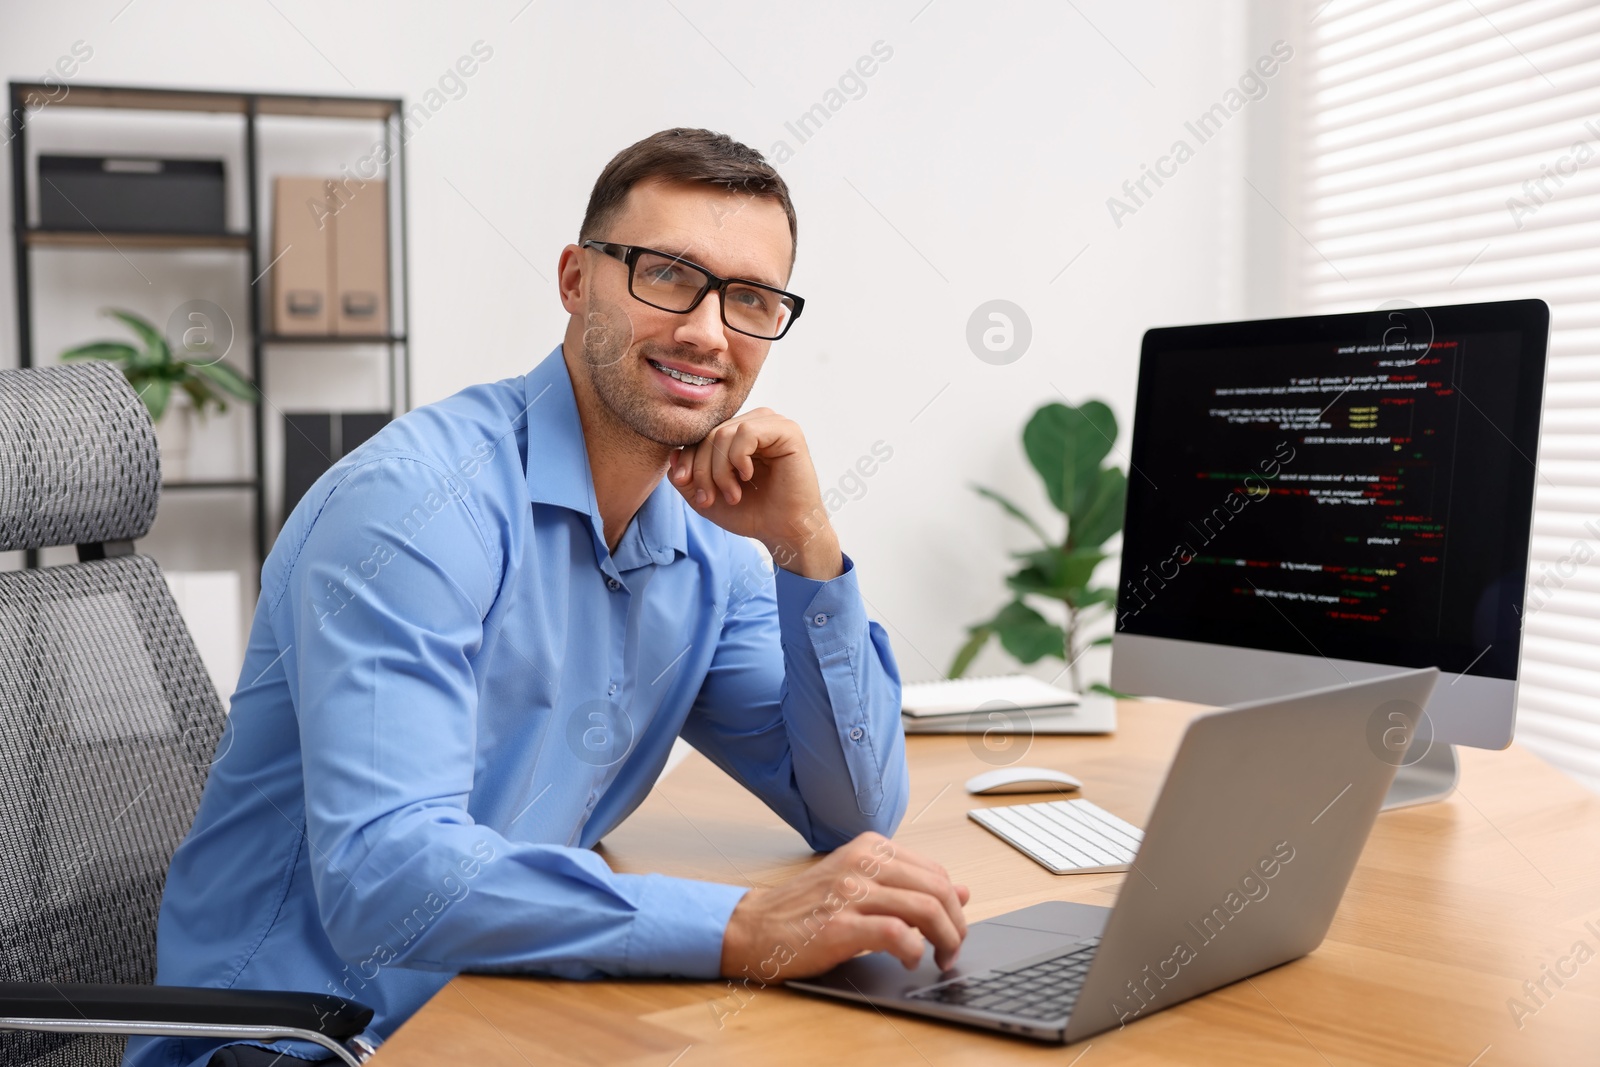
x,y
1022,780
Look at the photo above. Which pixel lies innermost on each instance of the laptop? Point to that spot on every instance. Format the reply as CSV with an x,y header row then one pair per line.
x,y
1255,833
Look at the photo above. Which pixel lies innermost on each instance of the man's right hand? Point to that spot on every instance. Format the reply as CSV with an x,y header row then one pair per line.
x,y
870,895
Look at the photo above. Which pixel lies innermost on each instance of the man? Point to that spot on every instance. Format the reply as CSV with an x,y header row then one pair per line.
x,y
480,633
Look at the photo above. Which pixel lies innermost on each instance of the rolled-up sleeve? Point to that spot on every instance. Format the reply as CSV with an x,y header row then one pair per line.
x,y
801,705
380,635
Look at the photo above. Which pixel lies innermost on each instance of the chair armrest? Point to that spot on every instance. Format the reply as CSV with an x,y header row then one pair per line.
x,y
323,1013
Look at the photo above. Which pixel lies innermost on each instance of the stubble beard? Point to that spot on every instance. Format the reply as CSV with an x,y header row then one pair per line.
x,y
617,375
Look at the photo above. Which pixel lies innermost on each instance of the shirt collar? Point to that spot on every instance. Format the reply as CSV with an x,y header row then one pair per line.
x,y
558,472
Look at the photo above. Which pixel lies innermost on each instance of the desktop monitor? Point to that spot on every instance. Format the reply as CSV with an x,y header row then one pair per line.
x,y
1332,498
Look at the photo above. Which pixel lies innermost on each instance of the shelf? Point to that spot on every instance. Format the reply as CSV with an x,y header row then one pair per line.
x,y
121,240
249,113
139,99
326,107
236,483
231,103
332,339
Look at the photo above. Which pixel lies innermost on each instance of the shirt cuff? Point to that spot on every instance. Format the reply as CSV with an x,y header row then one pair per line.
x,y
824,616
678,928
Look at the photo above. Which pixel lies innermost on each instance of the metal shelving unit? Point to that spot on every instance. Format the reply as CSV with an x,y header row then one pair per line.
x,y
251,108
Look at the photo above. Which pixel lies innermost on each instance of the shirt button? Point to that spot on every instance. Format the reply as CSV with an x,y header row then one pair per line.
x,y
613,690
857,734
819,618
613,585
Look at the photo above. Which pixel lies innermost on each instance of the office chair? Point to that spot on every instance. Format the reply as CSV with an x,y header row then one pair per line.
x,y
108,726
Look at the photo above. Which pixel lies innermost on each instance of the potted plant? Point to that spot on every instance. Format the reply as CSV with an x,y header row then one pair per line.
x,y
1067,447
165,382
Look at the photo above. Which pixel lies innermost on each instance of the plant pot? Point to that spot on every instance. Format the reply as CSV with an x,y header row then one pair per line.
x,y
174,433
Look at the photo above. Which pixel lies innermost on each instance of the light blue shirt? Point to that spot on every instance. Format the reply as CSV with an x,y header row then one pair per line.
x,y
453,690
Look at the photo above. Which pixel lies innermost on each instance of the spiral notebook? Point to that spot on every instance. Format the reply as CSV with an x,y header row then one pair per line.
x,y
1002,703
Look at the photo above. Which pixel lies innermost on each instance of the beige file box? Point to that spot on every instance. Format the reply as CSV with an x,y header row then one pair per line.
x,y
302,255
360,257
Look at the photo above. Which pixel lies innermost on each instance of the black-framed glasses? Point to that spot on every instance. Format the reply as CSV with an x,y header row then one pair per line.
x,y
674,284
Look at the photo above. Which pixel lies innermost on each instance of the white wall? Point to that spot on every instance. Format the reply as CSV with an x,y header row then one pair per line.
x,y
976,165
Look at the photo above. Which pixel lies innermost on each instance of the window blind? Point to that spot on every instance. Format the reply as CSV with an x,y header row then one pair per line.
x,y
1451,153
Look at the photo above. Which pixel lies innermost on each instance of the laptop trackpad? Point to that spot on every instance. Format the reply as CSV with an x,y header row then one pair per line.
x,y
1058,917
992,943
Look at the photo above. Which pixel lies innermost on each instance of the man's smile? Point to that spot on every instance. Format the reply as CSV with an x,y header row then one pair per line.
x,y
681,373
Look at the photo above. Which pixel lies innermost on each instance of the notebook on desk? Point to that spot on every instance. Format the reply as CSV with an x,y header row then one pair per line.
x,y
1004,704
956,696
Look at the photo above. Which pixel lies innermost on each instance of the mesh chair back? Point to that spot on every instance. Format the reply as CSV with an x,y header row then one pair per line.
x,y
108,719
78,459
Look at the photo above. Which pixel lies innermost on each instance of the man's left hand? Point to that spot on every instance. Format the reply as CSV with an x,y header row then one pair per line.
x,y
752,476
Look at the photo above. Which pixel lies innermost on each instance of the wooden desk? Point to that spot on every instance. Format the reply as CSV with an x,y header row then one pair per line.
x,y
1452,908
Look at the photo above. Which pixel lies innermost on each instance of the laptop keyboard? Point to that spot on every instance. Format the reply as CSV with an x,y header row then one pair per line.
x,y
1037,989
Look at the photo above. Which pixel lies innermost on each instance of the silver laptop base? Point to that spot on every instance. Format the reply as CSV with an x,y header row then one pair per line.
x,y
1431,778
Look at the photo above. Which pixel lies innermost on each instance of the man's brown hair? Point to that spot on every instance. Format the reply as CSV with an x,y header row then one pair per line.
x,y
701,157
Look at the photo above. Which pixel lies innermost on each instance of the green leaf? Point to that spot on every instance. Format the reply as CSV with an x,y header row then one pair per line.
x,y
157,391
1102,422
224,377
1014,511
1054,573
1105,690
1030,581
1027,635
1065,445
1039,575
1100,641
113,351
1077,567
1100,517
1093,597
978,636
155,344
1043,560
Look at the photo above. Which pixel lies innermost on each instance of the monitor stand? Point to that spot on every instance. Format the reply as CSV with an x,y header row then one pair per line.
x,y
1433,777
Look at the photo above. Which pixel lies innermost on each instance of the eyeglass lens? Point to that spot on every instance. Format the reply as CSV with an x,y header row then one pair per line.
x,y
672,285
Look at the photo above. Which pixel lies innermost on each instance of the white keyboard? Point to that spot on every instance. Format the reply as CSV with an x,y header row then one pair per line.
x,y
1064,836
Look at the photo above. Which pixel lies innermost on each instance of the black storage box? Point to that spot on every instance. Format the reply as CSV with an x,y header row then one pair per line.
x,y
313,441
126,194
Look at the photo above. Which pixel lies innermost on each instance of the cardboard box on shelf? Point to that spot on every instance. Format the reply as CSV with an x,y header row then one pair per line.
x,y
360,258
302,257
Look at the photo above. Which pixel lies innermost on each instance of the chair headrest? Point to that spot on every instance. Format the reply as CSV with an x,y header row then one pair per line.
x,y
78,458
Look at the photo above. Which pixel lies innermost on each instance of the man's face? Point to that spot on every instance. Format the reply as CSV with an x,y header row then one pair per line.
x,y
626,344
